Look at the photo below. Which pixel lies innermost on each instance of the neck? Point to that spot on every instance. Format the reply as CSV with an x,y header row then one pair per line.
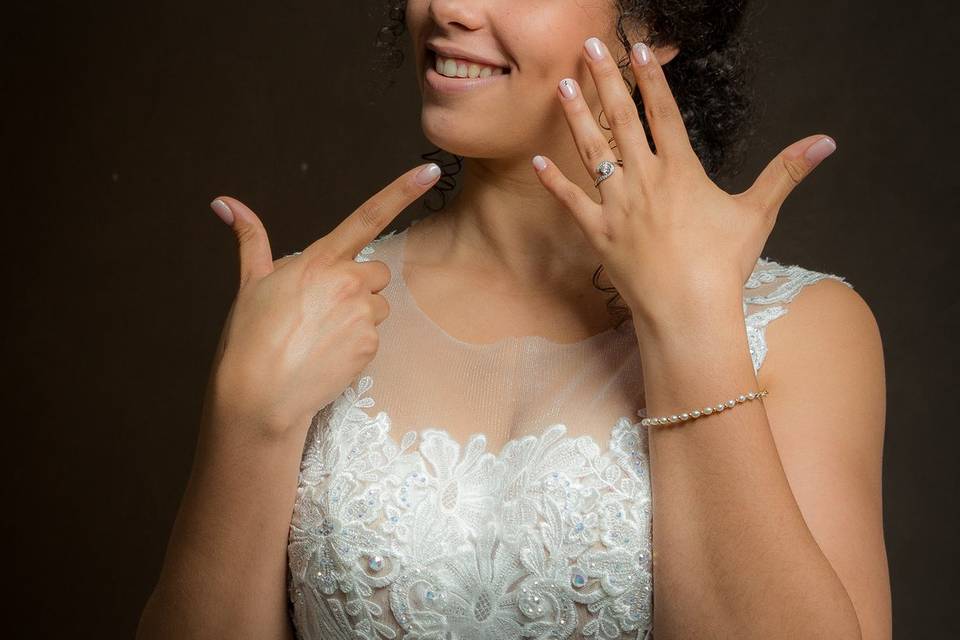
x,y
504,221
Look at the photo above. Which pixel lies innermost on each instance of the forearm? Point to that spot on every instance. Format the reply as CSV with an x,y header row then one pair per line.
x,y
733,556
224,574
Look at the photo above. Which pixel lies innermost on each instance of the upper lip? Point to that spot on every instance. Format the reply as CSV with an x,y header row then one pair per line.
x,y
451,51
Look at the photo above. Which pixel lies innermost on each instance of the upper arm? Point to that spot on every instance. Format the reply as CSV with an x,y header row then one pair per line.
x,y
826,406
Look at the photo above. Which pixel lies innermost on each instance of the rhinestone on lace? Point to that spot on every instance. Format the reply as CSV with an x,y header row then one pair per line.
x,y
577,577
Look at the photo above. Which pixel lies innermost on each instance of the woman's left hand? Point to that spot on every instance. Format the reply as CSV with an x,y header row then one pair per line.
x,y
664,230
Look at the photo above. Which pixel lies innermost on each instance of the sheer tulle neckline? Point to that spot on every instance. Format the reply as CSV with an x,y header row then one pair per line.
x,y
540,342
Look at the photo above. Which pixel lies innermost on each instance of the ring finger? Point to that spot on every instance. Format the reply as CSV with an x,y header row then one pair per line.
x,y
591,143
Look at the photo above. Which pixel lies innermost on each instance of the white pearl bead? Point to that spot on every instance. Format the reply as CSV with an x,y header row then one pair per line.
x,y
706,411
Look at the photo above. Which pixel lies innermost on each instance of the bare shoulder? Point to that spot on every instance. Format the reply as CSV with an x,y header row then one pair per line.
x,y
827,408
829,342
829,310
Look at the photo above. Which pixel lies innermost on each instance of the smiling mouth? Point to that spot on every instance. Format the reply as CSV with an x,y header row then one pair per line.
x,y
459,68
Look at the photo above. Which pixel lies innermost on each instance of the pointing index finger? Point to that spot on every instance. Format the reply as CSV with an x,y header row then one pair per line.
x,y
362,226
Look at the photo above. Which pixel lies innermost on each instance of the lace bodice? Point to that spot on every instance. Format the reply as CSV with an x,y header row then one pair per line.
x,y
408,523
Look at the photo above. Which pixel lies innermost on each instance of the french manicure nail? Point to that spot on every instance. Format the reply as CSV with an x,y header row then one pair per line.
x,y
539,163
221,209
568,89
820,150
642,52
428,174
594,48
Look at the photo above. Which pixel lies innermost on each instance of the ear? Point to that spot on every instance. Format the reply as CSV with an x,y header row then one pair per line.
x,y
665,53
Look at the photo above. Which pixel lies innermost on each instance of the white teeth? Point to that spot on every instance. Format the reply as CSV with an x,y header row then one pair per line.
x,y
451,68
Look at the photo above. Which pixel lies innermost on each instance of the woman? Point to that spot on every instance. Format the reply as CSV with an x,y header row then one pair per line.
x,y
452,418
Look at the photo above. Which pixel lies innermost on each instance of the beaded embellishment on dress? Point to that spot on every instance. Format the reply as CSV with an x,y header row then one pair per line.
x,y
470,544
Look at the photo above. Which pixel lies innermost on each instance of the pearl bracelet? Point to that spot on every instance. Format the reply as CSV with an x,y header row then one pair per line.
x,y
683,417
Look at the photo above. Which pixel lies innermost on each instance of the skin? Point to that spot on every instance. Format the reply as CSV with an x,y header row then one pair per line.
x,y
769,518
299,330
539,256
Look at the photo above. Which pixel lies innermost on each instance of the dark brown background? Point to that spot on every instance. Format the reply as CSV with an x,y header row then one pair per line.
x,y
122,120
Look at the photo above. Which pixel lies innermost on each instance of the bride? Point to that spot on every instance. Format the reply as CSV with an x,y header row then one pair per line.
x,y
440,432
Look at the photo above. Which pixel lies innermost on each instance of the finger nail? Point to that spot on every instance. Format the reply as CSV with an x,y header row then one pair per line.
x,y
221,209
568,89
428,174
642,52
539,163
594,48
820,149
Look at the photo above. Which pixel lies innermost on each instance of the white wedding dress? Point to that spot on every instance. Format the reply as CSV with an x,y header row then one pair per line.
x,y
409,524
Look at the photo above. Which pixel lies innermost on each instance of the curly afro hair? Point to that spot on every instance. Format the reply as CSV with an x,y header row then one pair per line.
x,y
710,79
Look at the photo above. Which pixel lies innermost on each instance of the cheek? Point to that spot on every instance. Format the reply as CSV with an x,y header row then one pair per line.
x,y
416,18
416,12
549,38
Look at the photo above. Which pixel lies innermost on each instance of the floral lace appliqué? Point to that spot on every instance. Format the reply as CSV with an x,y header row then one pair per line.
x,y
549,535
790,279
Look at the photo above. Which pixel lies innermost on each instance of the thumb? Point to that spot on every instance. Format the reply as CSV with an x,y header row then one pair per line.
x,y
787,170
256,257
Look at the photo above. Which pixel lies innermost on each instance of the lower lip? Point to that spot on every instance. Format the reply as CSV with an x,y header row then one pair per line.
x,y
444,84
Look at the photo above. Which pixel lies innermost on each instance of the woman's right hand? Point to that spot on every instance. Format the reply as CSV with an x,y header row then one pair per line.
x,y
301,328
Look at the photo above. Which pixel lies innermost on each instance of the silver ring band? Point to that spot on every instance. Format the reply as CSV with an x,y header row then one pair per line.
x,y
604,170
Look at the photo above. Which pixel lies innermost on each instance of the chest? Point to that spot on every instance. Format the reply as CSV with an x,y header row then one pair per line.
x,y
433,537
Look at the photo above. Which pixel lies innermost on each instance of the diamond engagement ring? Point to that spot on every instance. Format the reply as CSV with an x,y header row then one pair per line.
x,y
604,170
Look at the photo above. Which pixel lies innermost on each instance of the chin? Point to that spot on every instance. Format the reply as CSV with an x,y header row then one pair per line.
x,y
489,138
442,131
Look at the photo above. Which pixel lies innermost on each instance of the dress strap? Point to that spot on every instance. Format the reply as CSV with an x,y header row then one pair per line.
x,y
371,247
767,292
